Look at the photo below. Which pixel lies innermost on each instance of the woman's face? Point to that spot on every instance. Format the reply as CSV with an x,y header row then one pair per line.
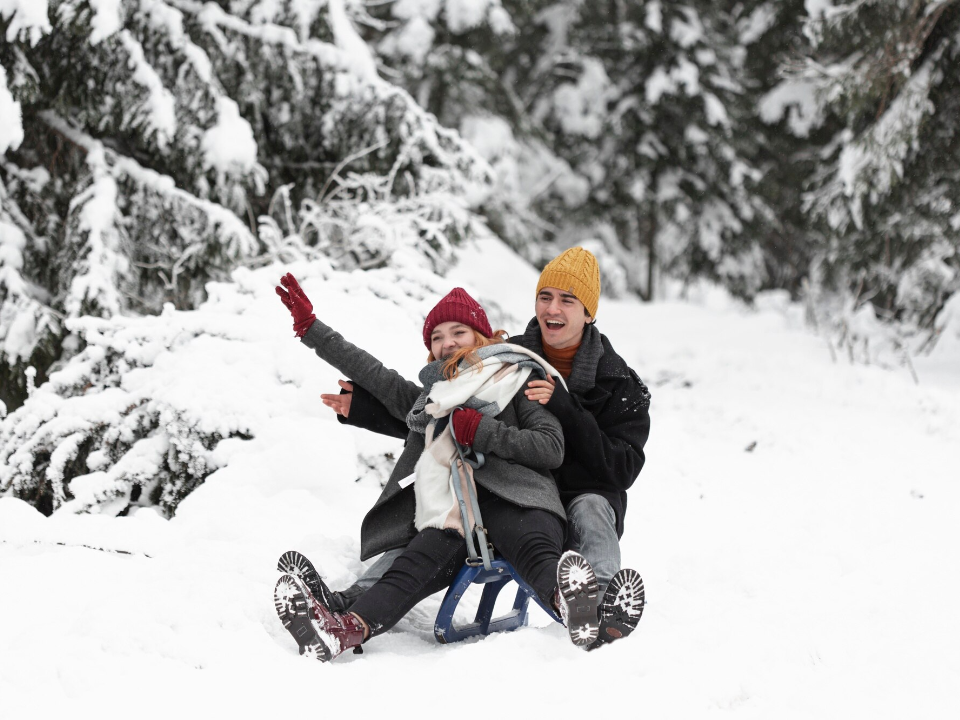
x,y
449,337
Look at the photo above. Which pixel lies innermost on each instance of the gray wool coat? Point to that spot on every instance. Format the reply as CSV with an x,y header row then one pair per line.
x,y
522,444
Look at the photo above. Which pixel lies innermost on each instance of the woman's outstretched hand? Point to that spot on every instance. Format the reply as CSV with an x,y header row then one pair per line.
x,y
297,302
339,403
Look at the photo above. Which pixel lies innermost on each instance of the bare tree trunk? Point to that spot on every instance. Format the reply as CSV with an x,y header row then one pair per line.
x,y
650,225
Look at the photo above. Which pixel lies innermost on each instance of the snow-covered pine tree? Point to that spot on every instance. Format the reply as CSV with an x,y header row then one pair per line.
x,y
652,114
886,196
480,66
153,146
781,135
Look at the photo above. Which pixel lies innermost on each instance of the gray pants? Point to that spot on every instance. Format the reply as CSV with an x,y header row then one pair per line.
x,y
591,531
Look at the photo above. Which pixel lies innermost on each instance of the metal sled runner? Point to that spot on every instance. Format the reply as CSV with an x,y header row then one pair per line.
x,y
494,580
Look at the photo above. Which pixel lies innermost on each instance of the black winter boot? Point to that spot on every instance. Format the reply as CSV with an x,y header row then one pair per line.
x,y
578,598
293,563
621,607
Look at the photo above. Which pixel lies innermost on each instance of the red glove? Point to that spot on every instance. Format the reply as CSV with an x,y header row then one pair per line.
x,y
465,422
299,305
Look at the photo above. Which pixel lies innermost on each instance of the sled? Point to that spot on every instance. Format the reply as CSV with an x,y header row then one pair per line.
x,y
494,579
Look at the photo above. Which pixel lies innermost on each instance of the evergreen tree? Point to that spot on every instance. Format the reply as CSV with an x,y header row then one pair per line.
x,y
782,135
481,66
885,198
652,119
151,147
143,140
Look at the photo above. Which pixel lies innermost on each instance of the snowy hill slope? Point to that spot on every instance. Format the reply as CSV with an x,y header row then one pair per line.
x,y
795,526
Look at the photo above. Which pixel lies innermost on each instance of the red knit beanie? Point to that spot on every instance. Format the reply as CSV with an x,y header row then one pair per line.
x,y
459,307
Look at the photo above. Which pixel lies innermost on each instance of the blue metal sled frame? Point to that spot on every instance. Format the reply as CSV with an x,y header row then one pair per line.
x,y
494,580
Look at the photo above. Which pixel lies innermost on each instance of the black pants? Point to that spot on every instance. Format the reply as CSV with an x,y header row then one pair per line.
x,y
530,540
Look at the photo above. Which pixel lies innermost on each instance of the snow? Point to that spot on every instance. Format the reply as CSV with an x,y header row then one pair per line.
x,y
715,109
579,107
28,19
12,244
818,8
170,21
413,39
490,135
943,360
694,135
160,105
753,27
798,99
106,19
410,9
18,328
524,170
557,20
795,526
229,145
349,41
98,217
658,84
662,82
462,16
653,16
11,118
716,218
689,31
500,21
687,74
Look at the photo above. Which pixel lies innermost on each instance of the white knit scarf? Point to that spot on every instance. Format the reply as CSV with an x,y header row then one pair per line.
x,y
488,388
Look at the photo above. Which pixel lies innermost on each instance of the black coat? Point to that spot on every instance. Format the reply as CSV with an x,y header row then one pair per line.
x,y
605,419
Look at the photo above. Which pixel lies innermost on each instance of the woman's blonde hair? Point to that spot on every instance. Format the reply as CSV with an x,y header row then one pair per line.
x,y
451,366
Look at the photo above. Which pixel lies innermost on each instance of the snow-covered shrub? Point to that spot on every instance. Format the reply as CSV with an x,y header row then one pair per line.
x,y
144,138
92,440
856,330
944,341
151,148
151,405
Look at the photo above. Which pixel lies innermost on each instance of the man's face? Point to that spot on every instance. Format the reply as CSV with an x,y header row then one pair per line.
x,y
561,316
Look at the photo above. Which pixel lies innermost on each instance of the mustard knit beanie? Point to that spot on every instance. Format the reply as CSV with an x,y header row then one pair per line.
x,y
576,271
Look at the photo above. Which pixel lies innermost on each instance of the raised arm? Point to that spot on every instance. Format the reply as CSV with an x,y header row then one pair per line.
x,y
388,386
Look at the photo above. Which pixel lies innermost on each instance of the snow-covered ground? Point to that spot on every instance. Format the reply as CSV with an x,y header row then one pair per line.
x,y
795,525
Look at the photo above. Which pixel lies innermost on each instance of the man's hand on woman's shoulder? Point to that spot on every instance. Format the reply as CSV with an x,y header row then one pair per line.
x,y
540,390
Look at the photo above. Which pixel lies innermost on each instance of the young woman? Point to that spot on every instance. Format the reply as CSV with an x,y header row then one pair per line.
x,y
478,381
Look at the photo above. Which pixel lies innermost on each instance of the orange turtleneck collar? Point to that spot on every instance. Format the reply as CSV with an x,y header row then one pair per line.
x,y
561,359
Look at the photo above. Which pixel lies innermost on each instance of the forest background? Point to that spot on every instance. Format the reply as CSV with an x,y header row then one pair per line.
x,y
800,149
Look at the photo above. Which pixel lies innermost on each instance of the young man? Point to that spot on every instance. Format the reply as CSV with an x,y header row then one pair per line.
x,y
604,416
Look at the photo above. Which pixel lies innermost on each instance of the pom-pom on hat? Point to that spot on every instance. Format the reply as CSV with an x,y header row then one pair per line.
x,y
577,272
459,307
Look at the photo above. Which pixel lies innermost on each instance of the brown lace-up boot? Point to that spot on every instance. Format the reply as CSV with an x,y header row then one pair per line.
x,y
319,632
